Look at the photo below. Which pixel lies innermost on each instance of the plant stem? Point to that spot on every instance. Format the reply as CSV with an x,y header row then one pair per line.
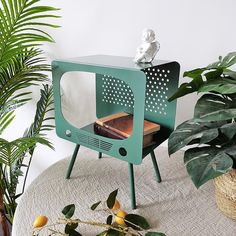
x,y
69,221
27,170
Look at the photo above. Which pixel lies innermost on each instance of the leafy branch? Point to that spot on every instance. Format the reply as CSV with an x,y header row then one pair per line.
x,y
128,224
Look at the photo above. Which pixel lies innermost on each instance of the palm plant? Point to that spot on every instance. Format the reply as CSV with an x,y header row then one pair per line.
x,y
21,66
211,135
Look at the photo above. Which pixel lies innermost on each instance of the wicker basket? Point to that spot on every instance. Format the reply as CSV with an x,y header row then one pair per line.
x,y
225,190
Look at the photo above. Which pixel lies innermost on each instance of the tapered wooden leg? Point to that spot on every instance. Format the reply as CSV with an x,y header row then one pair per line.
x,y
100,155
72,162
132,187
154,161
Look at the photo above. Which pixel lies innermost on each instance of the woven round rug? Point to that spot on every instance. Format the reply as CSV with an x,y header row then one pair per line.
x,y
173,206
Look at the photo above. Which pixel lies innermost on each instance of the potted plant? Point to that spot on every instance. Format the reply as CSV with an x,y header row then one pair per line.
x,y
21,66
210,137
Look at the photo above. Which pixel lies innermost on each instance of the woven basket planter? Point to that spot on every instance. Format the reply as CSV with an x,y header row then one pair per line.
x,y
225,190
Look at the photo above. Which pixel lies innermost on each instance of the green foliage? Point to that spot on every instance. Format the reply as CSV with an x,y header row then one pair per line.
x,y
154,234
22,65
70,230
24,70
95,205
213,124
111,199
68,211
5,120
204,78
11,151
135,224
109,219
18,21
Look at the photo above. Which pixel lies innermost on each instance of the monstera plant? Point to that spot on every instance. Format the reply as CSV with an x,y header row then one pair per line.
x,y
210,137
21,66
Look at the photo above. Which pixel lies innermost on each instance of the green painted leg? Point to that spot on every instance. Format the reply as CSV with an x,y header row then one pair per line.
x,y
132,188
100,155
156,167
72,162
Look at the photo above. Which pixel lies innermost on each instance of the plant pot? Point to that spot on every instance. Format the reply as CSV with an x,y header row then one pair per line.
x,y
5,227
225,191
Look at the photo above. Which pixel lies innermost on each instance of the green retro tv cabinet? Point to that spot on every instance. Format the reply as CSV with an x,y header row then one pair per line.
x,y
121,86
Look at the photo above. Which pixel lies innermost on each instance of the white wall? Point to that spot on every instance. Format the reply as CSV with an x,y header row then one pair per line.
x,y
194,33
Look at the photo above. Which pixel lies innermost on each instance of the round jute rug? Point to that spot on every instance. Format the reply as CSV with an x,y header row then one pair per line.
x,y
173,206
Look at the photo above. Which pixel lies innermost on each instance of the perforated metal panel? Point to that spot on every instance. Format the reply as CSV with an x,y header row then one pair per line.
x,y
116,95
115,91
156,90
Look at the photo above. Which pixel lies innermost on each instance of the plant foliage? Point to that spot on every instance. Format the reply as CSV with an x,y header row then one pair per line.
x,y
134,224
212,131
22,24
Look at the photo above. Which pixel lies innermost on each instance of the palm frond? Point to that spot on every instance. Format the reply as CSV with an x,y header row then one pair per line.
x,y
11,151
42,117
24,70
39,126
5,119
16,21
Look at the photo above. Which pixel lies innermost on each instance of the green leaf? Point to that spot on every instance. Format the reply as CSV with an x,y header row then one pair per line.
x,y
104,233
112,232
228,60
213,75
12,151
73,232
205,163
225,62
68,211
194,73
111,199
229,130
187,88
183,90
95,205
5,120
109,220
136,222
230,73
223,86
211,107
70,229
190,132
14,18
154,234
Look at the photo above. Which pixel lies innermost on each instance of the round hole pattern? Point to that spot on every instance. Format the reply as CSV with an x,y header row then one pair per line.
x,y
116,91
157,88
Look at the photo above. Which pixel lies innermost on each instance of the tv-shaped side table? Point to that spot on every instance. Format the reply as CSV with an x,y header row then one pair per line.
x,y
121,86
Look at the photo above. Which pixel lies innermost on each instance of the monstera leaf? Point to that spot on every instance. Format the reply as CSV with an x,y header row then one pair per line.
x,y
191,132
205,163
222,85
215,77
212,107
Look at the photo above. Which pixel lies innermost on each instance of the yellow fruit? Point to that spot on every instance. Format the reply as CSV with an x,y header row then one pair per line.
x,y
40,221
119,218
116,205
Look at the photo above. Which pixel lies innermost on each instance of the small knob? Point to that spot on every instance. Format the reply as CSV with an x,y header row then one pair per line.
x,y
68,133
123,152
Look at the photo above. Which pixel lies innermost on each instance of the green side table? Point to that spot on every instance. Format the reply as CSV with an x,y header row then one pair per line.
x,y
121,86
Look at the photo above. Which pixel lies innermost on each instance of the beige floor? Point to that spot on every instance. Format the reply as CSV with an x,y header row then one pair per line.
x,y
174,206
